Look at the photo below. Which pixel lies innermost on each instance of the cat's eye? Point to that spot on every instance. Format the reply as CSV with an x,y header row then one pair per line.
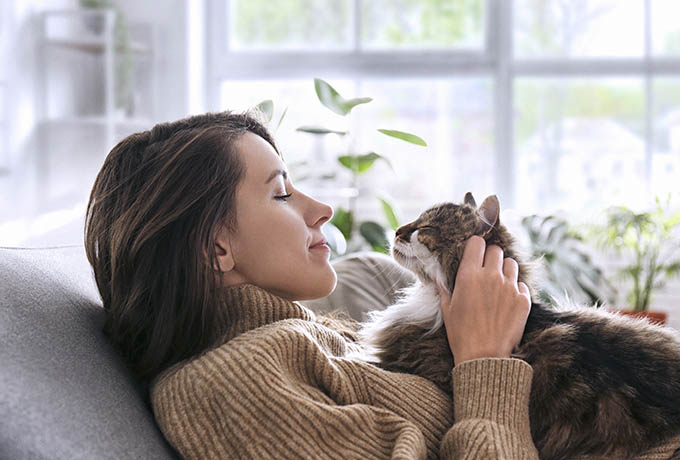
x,y
426,227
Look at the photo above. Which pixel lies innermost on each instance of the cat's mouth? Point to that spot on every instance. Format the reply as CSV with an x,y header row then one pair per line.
x,y
406,260
417,259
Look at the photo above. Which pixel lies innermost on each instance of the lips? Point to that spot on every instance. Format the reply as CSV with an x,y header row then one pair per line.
x,y
319,243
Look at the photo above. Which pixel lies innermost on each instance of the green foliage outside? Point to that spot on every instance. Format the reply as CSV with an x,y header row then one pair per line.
x,y
269,23
587,99
439,22
327,22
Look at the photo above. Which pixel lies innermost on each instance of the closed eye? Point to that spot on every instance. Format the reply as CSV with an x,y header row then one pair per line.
x,y
283,197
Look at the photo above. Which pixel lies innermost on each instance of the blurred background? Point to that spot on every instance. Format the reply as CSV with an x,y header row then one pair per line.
x,y
564,109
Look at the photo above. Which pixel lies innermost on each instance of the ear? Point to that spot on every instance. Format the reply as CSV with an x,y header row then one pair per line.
x,y
223,251
488,214
470,200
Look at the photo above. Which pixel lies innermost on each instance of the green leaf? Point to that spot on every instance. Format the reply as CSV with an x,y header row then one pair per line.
x,y
672,269
408,137
375,234
320,130
344,221
361,163
378,248
267,108
330,98
389,214
285,111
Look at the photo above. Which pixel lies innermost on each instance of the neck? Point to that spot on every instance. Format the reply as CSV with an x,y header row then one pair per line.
x,y
246,306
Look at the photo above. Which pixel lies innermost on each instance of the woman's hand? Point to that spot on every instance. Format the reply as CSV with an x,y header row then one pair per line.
x,y
486,314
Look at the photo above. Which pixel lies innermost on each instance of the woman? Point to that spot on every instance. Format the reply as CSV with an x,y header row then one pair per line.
x,y
201,245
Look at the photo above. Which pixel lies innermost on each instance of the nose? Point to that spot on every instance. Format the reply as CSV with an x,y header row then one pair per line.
x,y
319,213
403,233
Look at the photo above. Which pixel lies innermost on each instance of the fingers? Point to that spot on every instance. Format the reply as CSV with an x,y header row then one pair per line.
x,y
524,290
493,257
510,269
473,254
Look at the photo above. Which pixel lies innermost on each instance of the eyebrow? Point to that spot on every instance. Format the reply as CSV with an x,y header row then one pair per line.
x,y
276,173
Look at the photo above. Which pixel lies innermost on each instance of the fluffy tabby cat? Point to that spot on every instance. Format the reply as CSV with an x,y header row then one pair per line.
x,y
603,384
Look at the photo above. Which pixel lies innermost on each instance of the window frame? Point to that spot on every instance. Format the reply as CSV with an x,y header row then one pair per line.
x,y
496,61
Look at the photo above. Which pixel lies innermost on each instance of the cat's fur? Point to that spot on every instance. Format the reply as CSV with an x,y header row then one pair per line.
x,y
603,384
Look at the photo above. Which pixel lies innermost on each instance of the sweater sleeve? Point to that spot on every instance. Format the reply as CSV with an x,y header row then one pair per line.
x,y
491,411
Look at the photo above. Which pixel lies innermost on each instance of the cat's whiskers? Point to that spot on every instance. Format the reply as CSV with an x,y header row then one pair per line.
x,y
429,263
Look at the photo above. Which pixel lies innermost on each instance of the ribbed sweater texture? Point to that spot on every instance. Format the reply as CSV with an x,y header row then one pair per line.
x,y
278,384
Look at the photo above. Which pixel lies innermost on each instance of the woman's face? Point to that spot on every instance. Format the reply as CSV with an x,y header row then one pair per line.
x,y
272,245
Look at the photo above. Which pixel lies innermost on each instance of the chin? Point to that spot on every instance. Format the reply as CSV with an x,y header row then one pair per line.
x,y
319,286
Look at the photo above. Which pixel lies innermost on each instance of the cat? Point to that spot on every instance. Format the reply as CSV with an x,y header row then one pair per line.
x,y
603,384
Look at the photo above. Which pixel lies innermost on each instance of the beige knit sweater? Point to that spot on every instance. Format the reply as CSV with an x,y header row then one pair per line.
x,y
279,385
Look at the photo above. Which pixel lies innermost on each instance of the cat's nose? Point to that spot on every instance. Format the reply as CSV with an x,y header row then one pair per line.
x,y
402,234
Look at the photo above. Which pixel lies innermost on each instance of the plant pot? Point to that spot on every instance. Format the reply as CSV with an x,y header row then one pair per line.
x,y
657,317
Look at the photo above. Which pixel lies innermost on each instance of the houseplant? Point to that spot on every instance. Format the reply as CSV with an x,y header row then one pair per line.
x,y
651,242
567,267
347,233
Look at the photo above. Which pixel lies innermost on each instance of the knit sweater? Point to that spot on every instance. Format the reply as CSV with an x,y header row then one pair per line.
x,y
279,384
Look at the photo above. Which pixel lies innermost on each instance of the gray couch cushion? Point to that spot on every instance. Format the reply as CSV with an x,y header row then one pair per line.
x,y
64,392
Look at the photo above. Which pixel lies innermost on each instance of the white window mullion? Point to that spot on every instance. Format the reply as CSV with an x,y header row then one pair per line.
x,y
356,26
649,99
503,97
244,65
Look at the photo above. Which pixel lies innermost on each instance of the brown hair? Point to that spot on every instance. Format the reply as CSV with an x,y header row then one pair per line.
x,y
155,207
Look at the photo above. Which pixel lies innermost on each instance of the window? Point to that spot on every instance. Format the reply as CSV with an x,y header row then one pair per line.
x,y
569,104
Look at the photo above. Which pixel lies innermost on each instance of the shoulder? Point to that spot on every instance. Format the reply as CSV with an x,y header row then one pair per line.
x,y
271,345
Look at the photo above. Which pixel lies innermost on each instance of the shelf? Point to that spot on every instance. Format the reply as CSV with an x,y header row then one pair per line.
x,y
95,46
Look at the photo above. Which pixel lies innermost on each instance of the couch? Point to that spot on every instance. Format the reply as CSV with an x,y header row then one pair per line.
x,y
64,391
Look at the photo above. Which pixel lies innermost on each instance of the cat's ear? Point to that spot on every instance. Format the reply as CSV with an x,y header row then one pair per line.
x,y
488,214
470,200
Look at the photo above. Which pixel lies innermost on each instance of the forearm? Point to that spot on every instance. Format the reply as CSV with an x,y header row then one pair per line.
x,y
491,411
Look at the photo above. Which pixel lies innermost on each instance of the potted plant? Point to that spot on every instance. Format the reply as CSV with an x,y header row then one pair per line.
x,y
567,267
346,233
651,240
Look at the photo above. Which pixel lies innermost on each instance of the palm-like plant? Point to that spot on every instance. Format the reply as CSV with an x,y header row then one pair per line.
x,y
652,238
568,268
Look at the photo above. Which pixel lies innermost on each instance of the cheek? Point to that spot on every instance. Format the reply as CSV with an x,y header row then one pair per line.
x,y
278,231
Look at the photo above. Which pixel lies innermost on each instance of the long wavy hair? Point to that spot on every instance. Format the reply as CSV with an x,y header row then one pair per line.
x,y
154,210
